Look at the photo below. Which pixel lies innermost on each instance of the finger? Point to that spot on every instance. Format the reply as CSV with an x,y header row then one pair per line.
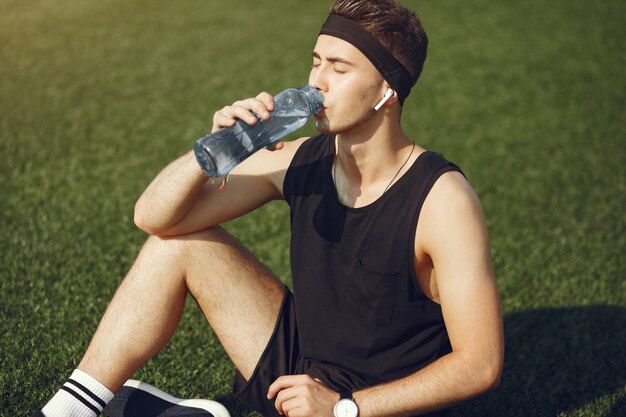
x,y
247,110
222,120
228,117
276,387
242,111
267,99
283,398
225,117
261,108
276,146
292,407
255,105
281,383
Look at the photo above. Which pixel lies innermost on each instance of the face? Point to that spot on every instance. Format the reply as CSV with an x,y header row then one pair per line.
x,y
350,83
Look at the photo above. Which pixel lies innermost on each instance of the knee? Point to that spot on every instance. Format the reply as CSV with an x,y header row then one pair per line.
x,y
182,244
164,247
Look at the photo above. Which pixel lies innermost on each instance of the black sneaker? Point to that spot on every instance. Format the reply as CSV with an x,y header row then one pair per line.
x,y
138,399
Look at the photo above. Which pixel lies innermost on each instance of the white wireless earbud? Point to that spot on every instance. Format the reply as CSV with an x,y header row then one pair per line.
x,y
387,96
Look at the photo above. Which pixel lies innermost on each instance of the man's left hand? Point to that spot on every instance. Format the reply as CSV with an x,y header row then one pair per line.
x,y
302,396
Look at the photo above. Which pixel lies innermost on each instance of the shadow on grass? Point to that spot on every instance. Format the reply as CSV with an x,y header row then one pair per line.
x,y
558,360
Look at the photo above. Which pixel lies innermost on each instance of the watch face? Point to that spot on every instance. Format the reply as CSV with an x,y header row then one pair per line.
x,y
346,408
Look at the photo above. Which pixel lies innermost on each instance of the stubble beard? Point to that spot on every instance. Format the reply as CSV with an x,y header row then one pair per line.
x,y
343,124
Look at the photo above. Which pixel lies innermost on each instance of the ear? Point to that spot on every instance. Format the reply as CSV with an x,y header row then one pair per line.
x,y
393,99
390,97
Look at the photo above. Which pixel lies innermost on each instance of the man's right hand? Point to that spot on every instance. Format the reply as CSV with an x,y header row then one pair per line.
x,y
245,110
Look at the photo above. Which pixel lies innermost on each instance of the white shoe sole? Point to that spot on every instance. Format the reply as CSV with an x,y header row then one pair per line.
x,y
213,407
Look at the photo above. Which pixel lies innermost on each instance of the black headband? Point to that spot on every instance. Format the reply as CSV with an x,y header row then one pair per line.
x,y
389,67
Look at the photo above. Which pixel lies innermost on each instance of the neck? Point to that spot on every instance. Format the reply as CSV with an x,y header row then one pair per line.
x,y
369,152
368,158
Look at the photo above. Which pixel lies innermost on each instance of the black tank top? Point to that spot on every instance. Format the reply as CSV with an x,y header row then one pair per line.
x,y
358,304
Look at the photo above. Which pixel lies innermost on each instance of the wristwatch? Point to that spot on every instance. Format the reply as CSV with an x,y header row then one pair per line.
x,y
346,407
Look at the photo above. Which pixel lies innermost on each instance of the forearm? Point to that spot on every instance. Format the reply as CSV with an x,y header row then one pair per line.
x,y
449,380
170,195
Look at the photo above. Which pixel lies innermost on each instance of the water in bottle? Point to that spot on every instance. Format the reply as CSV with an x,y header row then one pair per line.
x,y
221,151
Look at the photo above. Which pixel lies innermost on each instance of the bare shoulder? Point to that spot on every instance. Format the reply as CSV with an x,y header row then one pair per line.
x,y
451,192
452,210
289,149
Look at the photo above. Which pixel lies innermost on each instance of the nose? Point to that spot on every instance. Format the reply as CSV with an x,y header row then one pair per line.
x,y
318,80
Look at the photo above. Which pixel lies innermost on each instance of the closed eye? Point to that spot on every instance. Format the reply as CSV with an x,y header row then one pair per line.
x,y
340,65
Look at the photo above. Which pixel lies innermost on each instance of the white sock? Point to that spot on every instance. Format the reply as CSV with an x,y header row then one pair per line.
x,y
80,396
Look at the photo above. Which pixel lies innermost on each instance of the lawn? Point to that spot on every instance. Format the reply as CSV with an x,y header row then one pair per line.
x,y
527,97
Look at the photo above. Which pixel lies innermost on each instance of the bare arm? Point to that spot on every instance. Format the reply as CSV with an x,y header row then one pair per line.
x,y
181,199
453,233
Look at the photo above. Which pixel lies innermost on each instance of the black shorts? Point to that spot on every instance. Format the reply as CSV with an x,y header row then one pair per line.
x,y
282,357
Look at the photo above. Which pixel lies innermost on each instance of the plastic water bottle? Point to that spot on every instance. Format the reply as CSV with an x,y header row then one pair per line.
x,y
221,151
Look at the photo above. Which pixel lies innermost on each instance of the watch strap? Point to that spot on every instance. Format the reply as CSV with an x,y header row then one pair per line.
x,y
345,395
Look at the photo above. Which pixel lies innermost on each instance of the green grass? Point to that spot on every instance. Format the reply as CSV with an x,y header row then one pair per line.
x,y
527,97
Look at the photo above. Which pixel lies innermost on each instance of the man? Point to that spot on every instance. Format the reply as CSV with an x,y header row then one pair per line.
x,y
394,310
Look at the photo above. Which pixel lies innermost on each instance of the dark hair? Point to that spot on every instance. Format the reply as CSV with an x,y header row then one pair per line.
x,y
396,27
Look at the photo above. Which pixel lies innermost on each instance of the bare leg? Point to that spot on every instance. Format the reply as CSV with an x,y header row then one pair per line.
x,y
239,296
